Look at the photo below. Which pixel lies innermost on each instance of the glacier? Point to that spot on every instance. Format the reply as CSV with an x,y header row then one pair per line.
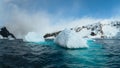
x,y
34,37
110,29
70,39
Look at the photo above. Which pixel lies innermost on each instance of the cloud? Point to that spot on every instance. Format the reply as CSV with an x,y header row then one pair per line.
x,y
21,21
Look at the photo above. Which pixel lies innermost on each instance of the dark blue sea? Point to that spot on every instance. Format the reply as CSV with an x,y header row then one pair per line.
x,y
18,54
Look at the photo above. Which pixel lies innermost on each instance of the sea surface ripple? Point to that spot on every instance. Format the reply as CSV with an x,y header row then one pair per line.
x,y
100,54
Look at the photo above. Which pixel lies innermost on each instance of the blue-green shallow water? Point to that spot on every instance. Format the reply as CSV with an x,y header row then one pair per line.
x,y
100,54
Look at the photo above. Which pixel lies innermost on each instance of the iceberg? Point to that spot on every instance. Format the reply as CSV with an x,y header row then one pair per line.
x,y
70,39
1,37
33,37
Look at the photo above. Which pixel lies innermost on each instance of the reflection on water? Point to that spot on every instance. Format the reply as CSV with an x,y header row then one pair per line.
x,y
102,53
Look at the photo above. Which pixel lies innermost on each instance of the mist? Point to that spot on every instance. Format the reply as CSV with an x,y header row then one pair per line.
x,y
20,24
20,21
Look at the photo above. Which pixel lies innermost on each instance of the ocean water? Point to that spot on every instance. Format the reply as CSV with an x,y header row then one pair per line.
x,y
100,54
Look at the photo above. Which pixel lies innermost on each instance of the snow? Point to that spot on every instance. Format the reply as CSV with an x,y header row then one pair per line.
x,y
70,39
84,32
110,31
118,35
33,37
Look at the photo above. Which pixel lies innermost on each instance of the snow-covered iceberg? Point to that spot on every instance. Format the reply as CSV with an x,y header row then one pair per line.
x,y
33,37
70,39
